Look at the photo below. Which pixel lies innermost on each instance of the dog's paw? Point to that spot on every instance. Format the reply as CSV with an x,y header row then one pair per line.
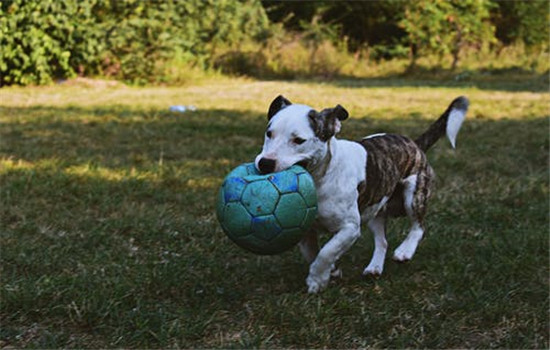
x,y
315,284
335,272
373,269
403,253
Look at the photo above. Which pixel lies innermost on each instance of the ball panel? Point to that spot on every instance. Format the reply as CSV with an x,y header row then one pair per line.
x,y
251,169
257,246
260,198
297,169
286,240
290,210
285,182
240,171
237,221
309,218
306,187
265,227
233,188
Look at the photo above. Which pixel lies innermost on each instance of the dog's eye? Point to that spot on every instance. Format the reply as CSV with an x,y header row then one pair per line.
x,y
268,134
298,140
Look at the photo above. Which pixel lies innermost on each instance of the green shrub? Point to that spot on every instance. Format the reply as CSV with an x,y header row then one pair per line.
x,y
31,41
171,41
131,40
288,59
314,51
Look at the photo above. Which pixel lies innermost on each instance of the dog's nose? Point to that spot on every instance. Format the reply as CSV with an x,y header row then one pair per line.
x,y
266,165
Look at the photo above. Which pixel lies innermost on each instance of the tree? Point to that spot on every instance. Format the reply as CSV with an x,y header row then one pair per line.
x,y
524,21
446,26
362,22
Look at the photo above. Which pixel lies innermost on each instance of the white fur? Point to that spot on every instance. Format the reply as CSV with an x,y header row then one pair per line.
x,y
409,184
289,123
334,187
337,211
456,117
371,211
374,135
376,265
407,248
337,166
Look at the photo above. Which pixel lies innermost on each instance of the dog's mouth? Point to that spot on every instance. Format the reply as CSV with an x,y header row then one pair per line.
x,y
303,163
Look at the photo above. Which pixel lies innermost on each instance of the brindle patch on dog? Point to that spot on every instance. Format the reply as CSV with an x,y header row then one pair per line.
x,y
390,159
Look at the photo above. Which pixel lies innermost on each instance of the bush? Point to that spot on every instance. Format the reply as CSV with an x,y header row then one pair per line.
x,y
171,41
314,51
34,38
131,40
288,59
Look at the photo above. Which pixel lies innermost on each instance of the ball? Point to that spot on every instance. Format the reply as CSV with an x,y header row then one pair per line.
x,y
266,214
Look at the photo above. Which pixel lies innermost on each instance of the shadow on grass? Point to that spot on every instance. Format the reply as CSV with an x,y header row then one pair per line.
x,y
514,79
467,79
109,231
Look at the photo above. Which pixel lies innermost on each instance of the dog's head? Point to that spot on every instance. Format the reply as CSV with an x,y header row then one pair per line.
x,y
297,134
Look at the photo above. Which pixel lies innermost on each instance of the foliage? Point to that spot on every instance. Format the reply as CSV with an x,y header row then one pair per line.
x,y
130,40
379,25
362,22
170,41
444,27
289,57
524,21
36,40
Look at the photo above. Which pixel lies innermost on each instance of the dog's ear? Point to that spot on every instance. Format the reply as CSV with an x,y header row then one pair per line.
x,y
327,123
340,113
278,103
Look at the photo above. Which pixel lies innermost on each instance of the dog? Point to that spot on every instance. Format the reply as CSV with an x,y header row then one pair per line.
x,y
369,181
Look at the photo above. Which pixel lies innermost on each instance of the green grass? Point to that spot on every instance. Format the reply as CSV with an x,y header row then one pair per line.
x,y
109,238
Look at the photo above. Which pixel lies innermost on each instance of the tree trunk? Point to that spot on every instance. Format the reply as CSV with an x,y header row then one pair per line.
x,y
456,49
456,57
413,55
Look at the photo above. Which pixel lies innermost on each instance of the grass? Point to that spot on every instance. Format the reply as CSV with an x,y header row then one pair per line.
x,y
109,238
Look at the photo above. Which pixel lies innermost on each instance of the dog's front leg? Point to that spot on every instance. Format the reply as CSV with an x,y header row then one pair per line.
x,y
309,247
319,270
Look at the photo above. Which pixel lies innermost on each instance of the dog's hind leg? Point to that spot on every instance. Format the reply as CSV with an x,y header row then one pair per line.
x,y
378,228
407,248
416,191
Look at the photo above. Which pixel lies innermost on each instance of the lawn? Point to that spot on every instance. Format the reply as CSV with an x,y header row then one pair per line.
x,y
109,237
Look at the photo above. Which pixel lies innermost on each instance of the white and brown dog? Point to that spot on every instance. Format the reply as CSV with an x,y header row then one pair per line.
x,y
381,176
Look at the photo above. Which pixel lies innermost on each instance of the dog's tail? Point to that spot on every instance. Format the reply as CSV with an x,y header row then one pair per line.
x,y
449,123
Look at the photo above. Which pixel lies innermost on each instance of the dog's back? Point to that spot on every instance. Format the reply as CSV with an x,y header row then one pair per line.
x,y
390,159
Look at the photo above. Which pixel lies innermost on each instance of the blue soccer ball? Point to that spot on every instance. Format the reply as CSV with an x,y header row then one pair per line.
x,y
266,214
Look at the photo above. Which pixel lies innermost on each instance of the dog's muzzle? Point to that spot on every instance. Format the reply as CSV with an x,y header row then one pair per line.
x,y
266,165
